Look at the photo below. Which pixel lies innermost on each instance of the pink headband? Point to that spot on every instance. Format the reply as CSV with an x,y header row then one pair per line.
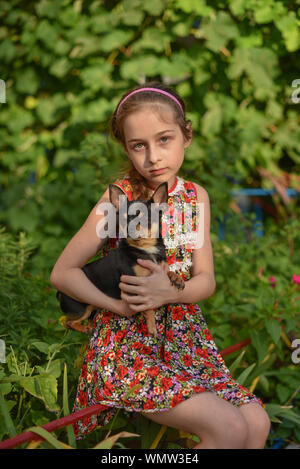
x,y
157,90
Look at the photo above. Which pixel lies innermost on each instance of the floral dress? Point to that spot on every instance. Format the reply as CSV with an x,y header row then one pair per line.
x,y
126,368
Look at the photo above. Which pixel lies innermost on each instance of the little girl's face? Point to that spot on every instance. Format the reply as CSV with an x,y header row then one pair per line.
x,y
155,142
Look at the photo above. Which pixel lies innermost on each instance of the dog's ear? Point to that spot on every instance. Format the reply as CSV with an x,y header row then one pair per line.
x,y
160,195
114,194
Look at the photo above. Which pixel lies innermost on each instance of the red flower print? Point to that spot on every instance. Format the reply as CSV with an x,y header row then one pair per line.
x,y
83,372
153,371
120,336
178,313
215,374
198,388
220,386
170,335
149,404
166,383
142,328
122,371
98,394
207,334
202,352
107,337
145,350
187,359
138,364
82,398
106,316
171,259
103,361
176,400
90,355
108,389
167,356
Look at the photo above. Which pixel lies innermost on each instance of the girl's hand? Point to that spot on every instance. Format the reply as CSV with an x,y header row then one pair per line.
x,y
122,308
149,292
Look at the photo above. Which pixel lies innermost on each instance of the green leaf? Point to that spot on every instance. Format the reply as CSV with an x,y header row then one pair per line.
x,y
259,342
236,362
108,443
6,415
71,437
274,329
47,436
41,346
244,375
283,392
43,387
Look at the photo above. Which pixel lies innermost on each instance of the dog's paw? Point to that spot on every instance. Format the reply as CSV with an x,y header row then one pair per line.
x,y
176,280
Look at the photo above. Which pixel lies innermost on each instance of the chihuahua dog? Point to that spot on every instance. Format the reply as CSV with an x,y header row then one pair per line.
x,y
105,272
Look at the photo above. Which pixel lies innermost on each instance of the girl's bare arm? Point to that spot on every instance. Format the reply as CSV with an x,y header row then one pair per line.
x,y
67,275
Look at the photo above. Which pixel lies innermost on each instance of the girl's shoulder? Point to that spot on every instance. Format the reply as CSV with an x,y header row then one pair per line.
x,y
193,189
124,183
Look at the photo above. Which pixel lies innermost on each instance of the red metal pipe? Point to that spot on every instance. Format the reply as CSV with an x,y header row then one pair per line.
x,y
52,426
235,347
95,409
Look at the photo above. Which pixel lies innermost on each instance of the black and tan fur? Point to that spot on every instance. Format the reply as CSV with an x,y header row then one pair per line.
x,y
105,272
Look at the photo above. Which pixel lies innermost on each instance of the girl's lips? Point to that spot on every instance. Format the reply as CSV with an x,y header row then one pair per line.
x,y
158,171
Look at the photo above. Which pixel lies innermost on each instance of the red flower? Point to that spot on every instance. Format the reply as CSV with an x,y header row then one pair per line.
x,y
176,400
107,337
83,372
103,361
187,359
166,383
207,334
138,364
170,335
108,389
167,356
90,355
145,349
178,313
202,352
153,371
171,259
120,336
220,386
98,394
82,398
122,371
272,281
149,404
198,388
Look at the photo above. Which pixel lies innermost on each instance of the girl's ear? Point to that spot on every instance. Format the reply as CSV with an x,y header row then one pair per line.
x,y
190,135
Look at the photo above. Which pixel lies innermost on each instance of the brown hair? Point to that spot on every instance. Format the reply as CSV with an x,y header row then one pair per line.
x,y
134,103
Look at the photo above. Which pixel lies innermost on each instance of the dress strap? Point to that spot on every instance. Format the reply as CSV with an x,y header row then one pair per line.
x,y
125,185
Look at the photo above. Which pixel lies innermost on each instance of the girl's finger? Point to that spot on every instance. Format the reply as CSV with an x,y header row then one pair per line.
x,y
132,279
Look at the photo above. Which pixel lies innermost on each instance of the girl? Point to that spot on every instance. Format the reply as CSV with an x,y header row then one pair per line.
x,y
178,379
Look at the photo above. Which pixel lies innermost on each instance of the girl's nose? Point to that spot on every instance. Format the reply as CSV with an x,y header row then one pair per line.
x,y
153,155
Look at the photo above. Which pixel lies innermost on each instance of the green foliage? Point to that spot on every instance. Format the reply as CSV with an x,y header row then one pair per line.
x,y
65,67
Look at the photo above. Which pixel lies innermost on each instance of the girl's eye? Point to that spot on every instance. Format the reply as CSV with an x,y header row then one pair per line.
x,y
137,147
165,136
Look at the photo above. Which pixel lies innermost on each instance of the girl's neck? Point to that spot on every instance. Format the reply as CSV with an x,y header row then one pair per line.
x,y
171,184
